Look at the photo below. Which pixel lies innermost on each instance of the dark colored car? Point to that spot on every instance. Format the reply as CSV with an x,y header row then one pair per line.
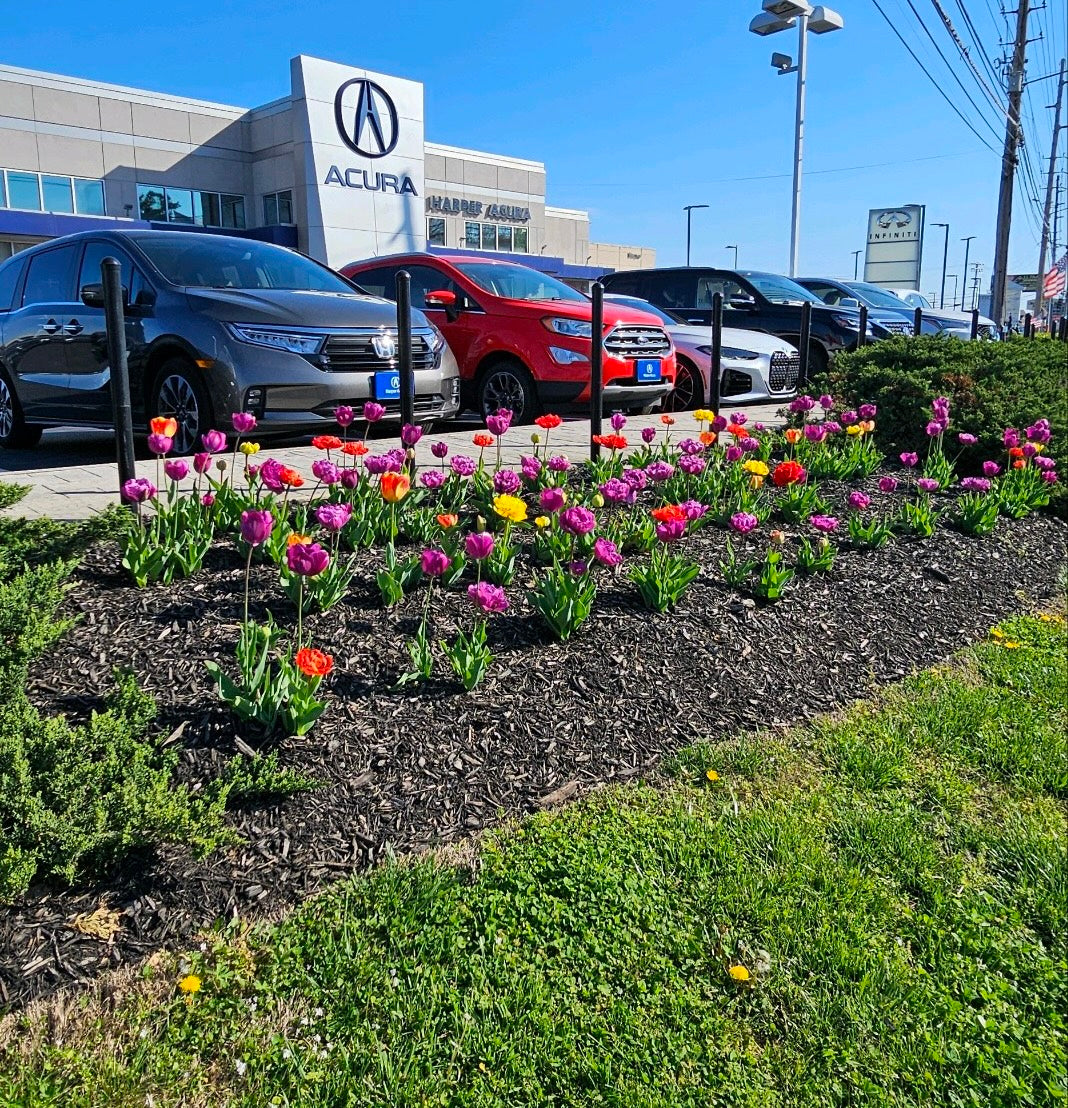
x,y
522,337
875,299
752,301
214,325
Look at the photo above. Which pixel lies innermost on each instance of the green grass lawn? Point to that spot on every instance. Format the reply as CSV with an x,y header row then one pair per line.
x,y
892,883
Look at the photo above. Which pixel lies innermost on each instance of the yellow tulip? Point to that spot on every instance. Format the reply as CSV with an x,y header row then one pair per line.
x,y
510,508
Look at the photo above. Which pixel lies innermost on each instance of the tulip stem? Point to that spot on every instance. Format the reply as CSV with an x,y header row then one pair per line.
x,y
248,573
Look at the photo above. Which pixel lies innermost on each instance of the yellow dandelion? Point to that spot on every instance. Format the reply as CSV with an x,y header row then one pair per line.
x,y
712,775
996,633
739,974
189,984
1010,645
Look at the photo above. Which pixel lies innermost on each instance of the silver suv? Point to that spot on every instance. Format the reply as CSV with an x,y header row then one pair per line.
x,y
214,325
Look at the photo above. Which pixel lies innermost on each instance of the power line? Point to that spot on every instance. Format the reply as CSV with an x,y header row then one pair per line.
x,y
941,91
984,57
963,51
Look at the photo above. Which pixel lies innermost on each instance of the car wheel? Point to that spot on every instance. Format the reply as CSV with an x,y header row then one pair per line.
x,y
689,390
15,432
179,393
817,361
507,384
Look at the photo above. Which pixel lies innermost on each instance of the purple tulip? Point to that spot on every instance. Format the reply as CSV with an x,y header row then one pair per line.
x,y
740,418
859,501
201,462
411,433
617,491
462,465
439,449
256,526
333,517
848,417
826,402
552,499
648,434
243,422
718,424
434,562
928,484
910,459
177,469
1010,437
744,522
1029,449
748,444
733,452
991,469
1044,462
307,559
479,545
160,444
559,463
577,568
832,427
350,477
530,467
815,432
935,427
213,441
694,509
432,479
671,530
975,484
373,412
692,464
270,474
659,471
208,499
867,411
490,598
802,404
138,489
606,553
966,440
940,405
377,464
498,423
825,524
618,421
636,478
506,481
326,471
691,446
344,415
887,484
1039,431
577,520
1049,477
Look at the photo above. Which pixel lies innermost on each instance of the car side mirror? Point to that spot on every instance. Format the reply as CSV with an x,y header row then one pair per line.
x,y
848,302
92,296
443,298
742,302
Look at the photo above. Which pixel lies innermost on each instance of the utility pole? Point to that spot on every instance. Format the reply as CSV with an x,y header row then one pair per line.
x,y
856,262
1008,166
975,284
964,278
1049,194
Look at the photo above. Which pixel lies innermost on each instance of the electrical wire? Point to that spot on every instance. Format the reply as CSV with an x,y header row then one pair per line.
x,y
962,50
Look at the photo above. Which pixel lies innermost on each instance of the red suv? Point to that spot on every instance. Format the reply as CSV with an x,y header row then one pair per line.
x,y
522,338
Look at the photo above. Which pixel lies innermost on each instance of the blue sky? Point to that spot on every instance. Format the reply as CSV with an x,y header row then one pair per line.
x,y
636,109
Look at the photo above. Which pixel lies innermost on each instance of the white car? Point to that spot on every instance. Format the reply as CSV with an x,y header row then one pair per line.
x,y
956,323
755,366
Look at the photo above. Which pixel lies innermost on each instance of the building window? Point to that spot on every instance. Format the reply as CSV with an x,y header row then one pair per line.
x,y
473,236
435,232
277,208
519,240
490,236
24,191
504,238
88,196
202,209
58,194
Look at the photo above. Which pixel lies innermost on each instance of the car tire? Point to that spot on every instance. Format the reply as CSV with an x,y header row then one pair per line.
x,y
15,432
178,391
689,390
818,360
508,384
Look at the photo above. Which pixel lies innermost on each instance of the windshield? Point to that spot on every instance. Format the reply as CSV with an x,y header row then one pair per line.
x,y
226,263
915,300
643,306
780,290
873,294
517,282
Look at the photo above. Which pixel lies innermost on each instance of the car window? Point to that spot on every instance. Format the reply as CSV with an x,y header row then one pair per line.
x,y
427,279
9,281
643,306
517,282
626,284
50,278
727,286
379,282
827,293
670,290
95,253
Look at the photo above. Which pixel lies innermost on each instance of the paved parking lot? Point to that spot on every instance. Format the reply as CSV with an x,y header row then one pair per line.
x,y
73,472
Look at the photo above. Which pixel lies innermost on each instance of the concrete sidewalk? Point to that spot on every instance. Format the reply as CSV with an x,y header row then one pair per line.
x,y
78,490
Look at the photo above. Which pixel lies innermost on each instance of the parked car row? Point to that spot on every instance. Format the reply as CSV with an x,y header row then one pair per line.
x,y
218,324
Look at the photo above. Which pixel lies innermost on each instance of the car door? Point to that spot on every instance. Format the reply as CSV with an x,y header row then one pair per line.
x,y
86,334
465,328
34,335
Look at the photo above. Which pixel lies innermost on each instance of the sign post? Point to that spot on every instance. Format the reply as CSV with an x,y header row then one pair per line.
x,y
596,368
895,246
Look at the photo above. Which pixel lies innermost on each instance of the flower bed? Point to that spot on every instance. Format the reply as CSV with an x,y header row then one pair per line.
x,y
585,681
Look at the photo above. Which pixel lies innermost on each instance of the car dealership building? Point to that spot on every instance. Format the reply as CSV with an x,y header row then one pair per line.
x,y
340,168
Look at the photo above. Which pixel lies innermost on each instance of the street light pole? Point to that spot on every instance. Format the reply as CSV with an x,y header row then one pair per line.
x,y
688,209
953,298
964,287
735,249
799,139
856,262
945,259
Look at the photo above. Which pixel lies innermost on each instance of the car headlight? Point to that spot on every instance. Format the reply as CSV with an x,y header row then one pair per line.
x,y
734,352
566,357
294,342
851,323
437,341
575,328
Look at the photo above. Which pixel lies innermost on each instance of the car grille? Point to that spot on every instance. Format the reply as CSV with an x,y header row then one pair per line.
x,y
354,353
735,383
637,342
782,374
896,326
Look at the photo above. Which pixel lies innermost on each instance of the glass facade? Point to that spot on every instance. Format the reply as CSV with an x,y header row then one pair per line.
x,y
200,209
50,192
489,236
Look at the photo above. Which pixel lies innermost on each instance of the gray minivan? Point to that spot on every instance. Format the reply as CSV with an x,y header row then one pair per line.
x,y
214,325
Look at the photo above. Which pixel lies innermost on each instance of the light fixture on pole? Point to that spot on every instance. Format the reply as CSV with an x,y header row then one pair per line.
x,y
735,249
688,209
856,262
964,286
945,258
781,15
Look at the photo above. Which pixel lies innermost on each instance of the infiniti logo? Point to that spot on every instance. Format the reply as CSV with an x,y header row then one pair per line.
x,y
896,218
372,129
385,346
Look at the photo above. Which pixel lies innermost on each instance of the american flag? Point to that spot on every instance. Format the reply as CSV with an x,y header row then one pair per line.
x,y
1053,285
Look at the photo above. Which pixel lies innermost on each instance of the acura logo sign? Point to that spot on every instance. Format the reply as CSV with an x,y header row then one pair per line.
x,y
372,129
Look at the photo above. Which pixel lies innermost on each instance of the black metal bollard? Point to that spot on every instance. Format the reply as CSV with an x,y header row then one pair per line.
x,y
863,325
716,367
115,322
1063,333
803,344
1028,329
917,321
975,324
404,352
596,367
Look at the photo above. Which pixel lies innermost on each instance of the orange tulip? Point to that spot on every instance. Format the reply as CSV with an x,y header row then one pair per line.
x,y
482,440
395,487
708,438
313,663
448,519
164,425
793,435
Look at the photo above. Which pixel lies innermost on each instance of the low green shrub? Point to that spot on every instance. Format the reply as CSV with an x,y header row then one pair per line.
x,y
991,386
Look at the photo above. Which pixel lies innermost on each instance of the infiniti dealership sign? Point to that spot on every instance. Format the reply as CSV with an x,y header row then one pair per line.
x,y
895,246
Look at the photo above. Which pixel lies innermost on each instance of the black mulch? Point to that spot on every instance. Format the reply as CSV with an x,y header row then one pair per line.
x,y
407,769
